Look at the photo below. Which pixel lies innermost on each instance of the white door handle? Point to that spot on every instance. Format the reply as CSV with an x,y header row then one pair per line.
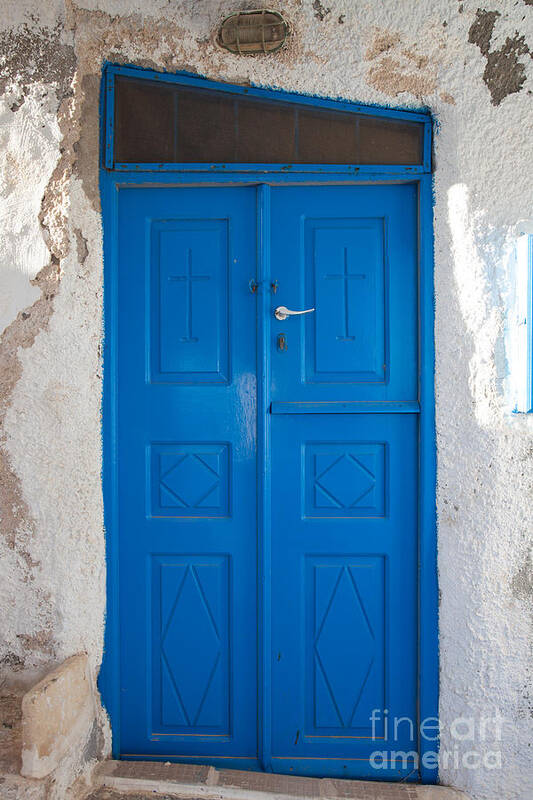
x,y
282,312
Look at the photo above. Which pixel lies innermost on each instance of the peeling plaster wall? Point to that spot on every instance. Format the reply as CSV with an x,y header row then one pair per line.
x,y
472,66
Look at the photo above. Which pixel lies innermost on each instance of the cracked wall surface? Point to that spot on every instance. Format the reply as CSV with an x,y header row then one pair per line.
x,y
471,65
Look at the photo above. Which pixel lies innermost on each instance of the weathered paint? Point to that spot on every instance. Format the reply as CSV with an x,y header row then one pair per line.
x,y
476,78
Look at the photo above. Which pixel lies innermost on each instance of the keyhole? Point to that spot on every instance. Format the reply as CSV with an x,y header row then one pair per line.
x,y
282,342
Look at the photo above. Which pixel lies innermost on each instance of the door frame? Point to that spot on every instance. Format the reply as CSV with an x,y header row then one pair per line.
x,y
113,178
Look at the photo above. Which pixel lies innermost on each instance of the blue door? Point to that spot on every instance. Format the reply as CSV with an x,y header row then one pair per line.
x,y
293,661
344,481
187,474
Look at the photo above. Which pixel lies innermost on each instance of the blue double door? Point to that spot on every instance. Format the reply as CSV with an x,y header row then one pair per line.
x,y
267,477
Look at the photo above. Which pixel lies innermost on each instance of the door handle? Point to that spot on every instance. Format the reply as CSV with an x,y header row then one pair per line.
x,y
282,312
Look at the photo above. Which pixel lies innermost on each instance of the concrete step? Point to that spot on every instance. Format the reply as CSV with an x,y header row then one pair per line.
x,y
140,779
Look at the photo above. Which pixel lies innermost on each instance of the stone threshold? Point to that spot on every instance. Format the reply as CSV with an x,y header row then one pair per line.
x,y
208,783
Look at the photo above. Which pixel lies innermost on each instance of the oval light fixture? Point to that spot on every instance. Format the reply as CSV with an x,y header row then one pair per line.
x,y
252,32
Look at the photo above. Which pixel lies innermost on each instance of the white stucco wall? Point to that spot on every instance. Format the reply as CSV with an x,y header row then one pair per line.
x,y
407,54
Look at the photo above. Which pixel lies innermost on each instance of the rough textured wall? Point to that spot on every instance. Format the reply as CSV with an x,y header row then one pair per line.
x,y
472,66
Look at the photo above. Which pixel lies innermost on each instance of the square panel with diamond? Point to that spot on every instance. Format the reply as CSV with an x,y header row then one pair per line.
x,y
344,479
189,480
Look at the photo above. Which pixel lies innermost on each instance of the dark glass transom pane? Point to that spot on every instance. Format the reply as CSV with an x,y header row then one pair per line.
x,y
167,123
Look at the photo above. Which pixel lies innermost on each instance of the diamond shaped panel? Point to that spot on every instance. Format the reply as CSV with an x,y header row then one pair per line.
x,y
344,647
345,482
190,618
191,646
345,479
189,480
345,674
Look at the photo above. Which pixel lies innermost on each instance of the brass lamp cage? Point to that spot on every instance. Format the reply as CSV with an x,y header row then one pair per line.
x,y
251,32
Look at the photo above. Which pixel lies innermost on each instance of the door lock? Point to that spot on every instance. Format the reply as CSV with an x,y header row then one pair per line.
x,y
282,342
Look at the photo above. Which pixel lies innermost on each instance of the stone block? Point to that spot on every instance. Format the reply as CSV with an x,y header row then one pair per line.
x,y
57,714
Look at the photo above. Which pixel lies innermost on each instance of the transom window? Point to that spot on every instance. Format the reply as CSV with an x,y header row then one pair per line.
x,y
160,122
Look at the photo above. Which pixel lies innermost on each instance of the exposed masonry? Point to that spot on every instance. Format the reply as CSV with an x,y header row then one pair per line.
x,y
395,70
504,73
472,67
321,11
30,57
31,53
17,523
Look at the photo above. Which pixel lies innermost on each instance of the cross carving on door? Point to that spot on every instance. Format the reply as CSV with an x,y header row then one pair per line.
x,y
188,279
346,276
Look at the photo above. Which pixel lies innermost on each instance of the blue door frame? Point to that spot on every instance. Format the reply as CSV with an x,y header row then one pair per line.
x,y
113,178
